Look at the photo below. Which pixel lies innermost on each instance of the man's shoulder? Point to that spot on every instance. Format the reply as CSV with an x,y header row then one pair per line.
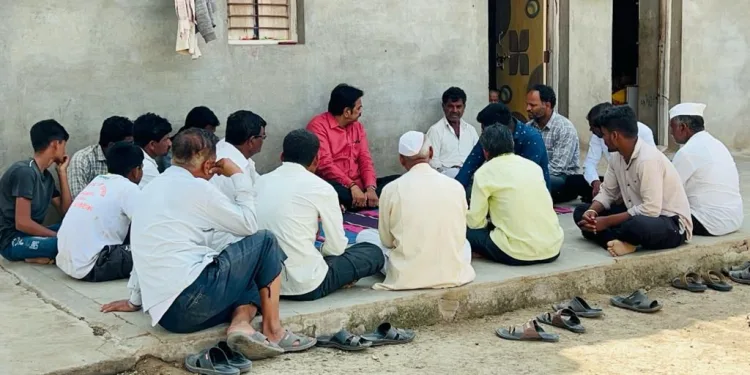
x,y
20,168
318,121
436,126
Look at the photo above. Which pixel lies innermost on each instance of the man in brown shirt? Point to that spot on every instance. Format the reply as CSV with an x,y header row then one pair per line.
x,y
655,213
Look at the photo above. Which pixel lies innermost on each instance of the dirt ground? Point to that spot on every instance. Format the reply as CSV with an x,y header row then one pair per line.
x,y
695,333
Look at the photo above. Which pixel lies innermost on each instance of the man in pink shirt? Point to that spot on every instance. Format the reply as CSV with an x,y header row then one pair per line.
x,y
344,155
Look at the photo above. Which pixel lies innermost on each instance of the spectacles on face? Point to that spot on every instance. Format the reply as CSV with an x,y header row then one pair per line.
x,y
262,137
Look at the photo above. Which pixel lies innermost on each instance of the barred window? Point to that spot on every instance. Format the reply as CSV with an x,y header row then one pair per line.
x,y
263,21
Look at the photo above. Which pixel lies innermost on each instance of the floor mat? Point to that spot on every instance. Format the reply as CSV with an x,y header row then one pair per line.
x,y
354,222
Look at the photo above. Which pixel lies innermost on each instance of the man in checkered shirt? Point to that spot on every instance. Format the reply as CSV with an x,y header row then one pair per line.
x,y
560,138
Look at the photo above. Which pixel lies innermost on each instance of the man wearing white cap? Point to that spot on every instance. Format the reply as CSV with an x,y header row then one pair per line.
x,y
422,225
708,172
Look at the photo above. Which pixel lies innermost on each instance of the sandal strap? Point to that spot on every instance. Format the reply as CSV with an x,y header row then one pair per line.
x,y
530,330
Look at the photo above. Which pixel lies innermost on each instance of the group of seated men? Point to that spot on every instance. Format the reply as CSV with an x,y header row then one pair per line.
x,y
208,240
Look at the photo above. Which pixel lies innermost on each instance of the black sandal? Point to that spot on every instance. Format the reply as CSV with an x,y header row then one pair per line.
x,y
345,341
386,334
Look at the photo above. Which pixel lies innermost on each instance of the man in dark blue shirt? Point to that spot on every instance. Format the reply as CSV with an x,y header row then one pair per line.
x,y
528,143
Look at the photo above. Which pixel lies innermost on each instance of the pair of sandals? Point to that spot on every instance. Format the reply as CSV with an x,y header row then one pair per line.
x,y
385,334
739,274
219,359
699,283
566,316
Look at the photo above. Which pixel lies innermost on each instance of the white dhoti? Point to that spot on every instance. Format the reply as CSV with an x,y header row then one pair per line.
x,y
451,172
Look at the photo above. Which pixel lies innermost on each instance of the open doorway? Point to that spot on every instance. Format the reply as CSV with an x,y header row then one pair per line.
x,y
517,50
625,53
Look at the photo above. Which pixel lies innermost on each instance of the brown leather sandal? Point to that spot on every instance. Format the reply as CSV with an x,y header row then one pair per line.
x,y
530,331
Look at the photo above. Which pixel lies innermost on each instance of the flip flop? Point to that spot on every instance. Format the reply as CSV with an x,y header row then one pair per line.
x,y
345,341
235,359
690,281
255,346
304,342
741,267
637,301
386,334
716,281
211,361
742,277
580,307
565,319
529,331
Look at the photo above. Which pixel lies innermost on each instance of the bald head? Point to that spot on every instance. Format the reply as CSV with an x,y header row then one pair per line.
x,y
195,149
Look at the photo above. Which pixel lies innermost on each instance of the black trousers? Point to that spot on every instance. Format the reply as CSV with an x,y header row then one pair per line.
x,y
481,243
358,261
115,262
653,233
577,185
699,229
345,195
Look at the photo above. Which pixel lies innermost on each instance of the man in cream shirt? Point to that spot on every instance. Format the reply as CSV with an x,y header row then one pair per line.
x,y
422,226
452,138
708,172
244,138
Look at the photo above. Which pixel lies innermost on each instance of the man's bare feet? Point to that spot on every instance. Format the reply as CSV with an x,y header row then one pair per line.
x,y
350,285
618,248
39,260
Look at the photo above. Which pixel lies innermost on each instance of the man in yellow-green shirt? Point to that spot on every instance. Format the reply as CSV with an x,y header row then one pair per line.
x,y
523,227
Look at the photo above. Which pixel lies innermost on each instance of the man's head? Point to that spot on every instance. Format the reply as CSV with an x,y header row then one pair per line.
x,y
195,150
494,96
619,127
594,112
685,120
202,118
496,141
246,131
115,129
49,137
151,133
496,113
414,148
301,147
540,102
346,103
125,159
454,104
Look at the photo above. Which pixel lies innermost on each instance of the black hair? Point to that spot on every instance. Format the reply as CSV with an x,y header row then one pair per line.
x,y
343,96
546,94
150,127
243,125
115,129
619,118
596,110
200,117
191,142
694,123
454,94
300,146
497,140
495,113
45,132
496,91
123,157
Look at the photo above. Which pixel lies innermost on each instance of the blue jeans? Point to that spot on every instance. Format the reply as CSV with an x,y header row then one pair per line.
x,y
232,280
24,246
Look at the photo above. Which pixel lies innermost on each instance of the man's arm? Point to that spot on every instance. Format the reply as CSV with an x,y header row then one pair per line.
x,y
234,216
433,135
366,166
326,168
476,218
25,224
62,203
610,189
384,219
471,165
684,166
332,222
593,156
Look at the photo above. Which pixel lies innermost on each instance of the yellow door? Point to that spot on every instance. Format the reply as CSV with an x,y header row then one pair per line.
x,y
520,61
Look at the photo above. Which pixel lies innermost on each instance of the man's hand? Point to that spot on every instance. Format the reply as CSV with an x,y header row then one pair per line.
x,y
596,186
226,167
63,166
372,197
589,220
120,306
358,197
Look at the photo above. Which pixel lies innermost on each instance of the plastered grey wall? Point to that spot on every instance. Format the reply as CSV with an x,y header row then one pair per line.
x,y
716,66
81,61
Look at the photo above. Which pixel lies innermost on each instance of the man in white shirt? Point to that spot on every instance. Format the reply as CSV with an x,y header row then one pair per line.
x,y
186,276
291,200
422,224
708,172
452,138
587,185
151,133
244,138
91,240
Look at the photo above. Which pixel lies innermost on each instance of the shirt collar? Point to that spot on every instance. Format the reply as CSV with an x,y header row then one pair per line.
x,y
99,154
148,157
550,124
293,166
636,151
421,167
461,123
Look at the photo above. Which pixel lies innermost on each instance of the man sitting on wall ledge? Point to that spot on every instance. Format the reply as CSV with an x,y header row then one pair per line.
x,y
655,214
344,158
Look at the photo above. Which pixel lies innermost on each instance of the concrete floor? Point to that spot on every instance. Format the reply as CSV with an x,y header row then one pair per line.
x,y
76,304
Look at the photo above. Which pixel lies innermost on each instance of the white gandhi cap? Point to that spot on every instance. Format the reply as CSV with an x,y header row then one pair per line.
x,y
410,143
687,109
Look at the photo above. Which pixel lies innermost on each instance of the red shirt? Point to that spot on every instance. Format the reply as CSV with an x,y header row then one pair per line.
x,y
344,154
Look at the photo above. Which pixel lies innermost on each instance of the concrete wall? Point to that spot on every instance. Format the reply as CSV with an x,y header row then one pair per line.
x,y
716,66
81,61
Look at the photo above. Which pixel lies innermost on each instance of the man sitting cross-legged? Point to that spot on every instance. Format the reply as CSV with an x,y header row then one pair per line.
x,y
524,228
26,191
422,225
655,214
91,238
290,201
188,276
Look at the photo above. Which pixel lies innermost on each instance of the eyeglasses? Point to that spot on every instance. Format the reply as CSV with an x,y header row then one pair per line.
x,y
263,137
